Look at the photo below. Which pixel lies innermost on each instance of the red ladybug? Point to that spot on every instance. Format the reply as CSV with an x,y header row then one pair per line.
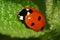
x,y
32,18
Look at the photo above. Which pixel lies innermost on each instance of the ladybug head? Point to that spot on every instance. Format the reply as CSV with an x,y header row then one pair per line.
x,y
23,13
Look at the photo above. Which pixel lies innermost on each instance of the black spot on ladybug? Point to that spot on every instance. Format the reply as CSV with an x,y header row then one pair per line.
x,y
30,11
39,18
32,24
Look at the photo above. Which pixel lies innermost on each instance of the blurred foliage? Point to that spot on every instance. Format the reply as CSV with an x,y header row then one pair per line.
x,y
12,29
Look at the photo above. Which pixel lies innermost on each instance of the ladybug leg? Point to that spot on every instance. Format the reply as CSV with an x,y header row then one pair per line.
x,y
42,28
26,25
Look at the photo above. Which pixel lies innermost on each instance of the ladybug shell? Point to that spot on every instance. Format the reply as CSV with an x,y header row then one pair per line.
x,y
35,20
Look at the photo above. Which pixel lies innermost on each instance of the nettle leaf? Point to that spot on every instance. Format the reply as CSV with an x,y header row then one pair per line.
x,y
11,26
9,23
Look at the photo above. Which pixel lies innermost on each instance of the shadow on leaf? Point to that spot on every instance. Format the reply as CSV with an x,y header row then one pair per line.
x,y
5,37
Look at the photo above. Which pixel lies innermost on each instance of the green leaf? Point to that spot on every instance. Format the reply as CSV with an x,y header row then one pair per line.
x,y
9,23
11,26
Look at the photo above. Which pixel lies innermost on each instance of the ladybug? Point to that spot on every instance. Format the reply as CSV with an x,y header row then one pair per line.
x,y
32,18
